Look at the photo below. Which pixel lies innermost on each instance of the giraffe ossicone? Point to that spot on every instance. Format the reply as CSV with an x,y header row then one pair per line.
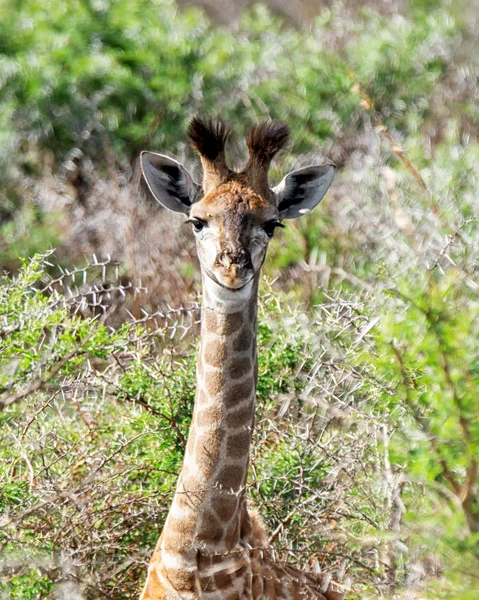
x,y
212,546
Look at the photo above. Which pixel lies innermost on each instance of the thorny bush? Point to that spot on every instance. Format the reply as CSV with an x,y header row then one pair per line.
x,y
94,426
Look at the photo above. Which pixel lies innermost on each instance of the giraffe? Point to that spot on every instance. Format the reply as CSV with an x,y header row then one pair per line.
x,y
212,546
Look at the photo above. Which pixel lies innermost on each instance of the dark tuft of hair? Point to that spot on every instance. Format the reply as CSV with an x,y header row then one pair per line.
x,y
208,137
267,139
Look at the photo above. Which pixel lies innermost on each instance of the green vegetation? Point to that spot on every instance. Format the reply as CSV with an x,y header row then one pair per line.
x,y
100,81
366,450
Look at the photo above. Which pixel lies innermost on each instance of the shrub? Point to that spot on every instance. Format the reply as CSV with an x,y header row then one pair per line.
x,y
94,424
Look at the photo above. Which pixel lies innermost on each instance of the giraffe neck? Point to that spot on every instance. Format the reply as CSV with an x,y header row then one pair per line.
x,y
208,507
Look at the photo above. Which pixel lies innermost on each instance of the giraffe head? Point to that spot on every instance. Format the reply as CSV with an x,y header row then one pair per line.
x,y
234,214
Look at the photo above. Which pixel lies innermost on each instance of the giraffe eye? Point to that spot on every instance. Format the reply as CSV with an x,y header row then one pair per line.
x,y
270,226
198,224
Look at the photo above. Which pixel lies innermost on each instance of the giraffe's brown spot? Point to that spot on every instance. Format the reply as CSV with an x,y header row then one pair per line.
x,y
257,586
217,559
240,417
178,533
189,491
192,487
206,583
179,498
231,477
243,340
181,579
205,561
208,416
214,383
233,596
210,321
225,506
238,444
209,529
269,585
183,525
214,353
223,580
207,450
245,585
185,500
239,392
239,368
231,323
291,588
282,595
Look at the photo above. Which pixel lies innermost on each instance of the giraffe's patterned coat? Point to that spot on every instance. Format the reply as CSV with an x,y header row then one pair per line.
x,y
212,546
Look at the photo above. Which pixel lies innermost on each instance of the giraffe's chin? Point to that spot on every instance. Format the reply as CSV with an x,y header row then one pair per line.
x,y
222,297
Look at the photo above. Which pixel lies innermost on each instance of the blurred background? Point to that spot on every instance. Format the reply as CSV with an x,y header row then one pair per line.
x,y
369,308
87,85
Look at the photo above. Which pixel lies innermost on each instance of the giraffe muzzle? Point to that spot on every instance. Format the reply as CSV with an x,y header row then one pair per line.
x,y
237,260
233,269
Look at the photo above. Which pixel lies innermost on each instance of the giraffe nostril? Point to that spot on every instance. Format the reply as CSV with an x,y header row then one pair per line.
x,y
223,259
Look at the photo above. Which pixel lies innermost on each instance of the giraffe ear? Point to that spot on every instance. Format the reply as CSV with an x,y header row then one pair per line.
x,y
302,190
169,182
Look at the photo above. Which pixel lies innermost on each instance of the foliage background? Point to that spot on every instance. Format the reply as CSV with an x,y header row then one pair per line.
x,y
367,446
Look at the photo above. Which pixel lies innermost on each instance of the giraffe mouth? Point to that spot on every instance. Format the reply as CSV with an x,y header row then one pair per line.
x,y
237,285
